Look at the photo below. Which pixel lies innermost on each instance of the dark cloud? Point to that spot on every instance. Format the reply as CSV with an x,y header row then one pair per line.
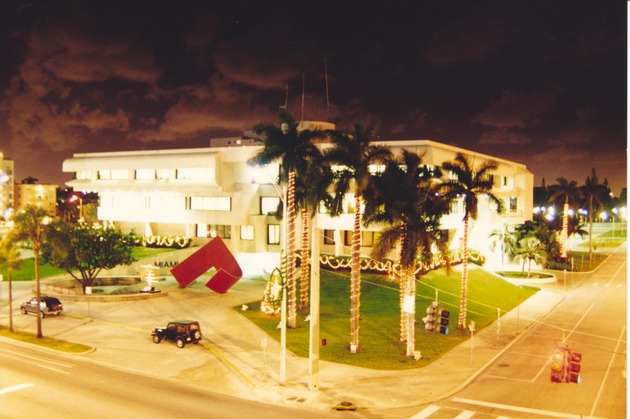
x,y
542,83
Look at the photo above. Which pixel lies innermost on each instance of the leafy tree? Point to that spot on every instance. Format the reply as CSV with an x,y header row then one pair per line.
x,y
410,209
30,226
530,249
566,192
468,183
292,147
86,249
354,154
10,256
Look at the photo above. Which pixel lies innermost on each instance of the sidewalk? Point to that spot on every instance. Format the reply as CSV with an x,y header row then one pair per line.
x,y
233,360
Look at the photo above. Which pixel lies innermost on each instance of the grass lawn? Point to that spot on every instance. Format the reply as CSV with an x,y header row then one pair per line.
x,y
60,345
380,317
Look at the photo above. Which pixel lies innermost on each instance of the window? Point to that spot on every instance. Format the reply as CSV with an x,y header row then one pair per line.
x,y
145,174
367,238
269,205
513,203
247,232
115,174
329,236
163,174
212,203
212,231
273,234
198,173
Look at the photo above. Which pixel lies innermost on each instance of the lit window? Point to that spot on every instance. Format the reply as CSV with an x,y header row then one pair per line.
x,y
247,232
196,173
513,203
211,203
273,234
269,205
145,174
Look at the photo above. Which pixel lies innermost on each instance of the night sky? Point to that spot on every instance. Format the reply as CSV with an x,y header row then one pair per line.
x,y
542,83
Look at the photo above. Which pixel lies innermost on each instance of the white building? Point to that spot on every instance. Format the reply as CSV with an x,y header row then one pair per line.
x,y
204,192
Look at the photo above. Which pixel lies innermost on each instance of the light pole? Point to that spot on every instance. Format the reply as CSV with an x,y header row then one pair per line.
x,y
73,198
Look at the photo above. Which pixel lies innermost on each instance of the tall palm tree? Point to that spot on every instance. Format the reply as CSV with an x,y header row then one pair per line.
x,y
354,154
311,190
29,225
506,238
410,207
592,191
468,183
568,192
10,256
530,249
291,147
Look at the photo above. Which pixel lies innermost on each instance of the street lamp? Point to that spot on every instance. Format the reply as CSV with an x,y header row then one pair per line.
x,y
73,198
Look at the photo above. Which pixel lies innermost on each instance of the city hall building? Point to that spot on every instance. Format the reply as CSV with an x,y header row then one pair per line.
x,y
207,192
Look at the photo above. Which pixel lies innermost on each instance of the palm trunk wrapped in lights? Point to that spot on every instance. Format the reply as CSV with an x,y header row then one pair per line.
x,y
355,277
564,234
291,282
461,324
402,287
410,308
305,259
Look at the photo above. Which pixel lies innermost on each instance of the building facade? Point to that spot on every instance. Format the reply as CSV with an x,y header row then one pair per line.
x,y
208,192
7,180
38,195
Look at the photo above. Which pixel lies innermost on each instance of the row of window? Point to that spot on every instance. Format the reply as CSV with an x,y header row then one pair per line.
x,y
368,238
188,173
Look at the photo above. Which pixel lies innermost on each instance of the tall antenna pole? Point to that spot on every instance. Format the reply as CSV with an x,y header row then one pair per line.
x,y
327,97
286,96
302,119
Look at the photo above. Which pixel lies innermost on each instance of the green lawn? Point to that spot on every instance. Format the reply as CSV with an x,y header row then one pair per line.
x,y
380,317
52,343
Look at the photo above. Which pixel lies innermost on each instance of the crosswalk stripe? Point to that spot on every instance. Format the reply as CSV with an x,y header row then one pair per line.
x,y
466,414
426,412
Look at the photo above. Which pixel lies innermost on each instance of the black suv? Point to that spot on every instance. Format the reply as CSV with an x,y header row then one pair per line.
x,y
179,331
49,306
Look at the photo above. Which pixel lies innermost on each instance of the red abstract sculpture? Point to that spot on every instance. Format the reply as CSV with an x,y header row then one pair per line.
x,y
216,255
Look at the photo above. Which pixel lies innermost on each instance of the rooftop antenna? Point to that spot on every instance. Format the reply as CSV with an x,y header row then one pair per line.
x,y
302,119
327,97
286,95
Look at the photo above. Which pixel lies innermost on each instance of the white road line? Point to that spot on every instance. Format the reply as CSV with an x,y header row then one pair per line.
x,y
15,388
53,369
466,414
612,359
518,408
426,412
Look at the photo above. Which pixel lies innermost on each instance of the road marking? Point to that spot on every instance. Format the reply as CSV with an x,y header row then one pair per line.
x,y
37,358
53,369
15,388
426,412
466,414
612,358
518,408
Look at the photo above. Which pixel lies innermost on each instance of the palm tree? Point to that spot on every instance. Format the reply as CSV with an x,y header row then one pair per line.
x,y
410,207
468,184
311,189
292,148
10,256
29,225
571,193
592,191
506,238
530,249
355,155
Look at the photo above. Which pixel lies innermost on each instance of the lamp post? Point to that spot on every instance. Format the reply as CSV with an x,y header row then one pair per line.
x,y
73,198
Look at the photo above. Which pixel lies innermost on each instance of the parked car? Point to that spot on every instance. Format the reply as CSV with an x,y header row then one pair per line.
x,y
180,331
49,306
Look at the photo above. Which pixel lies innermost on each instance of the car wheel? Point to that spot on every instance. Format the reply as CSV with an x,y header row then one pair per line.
x,y
157,339
180,343
23,310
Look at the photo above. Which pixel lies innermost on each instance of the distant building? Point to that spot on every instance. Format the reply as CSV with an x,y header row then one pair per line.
x,y
6,186
36,194
205,192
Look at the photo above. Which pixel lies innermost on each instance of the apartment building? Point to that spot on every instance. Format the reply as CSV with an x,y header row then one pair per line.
x,y
36,194
6,186
205,192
